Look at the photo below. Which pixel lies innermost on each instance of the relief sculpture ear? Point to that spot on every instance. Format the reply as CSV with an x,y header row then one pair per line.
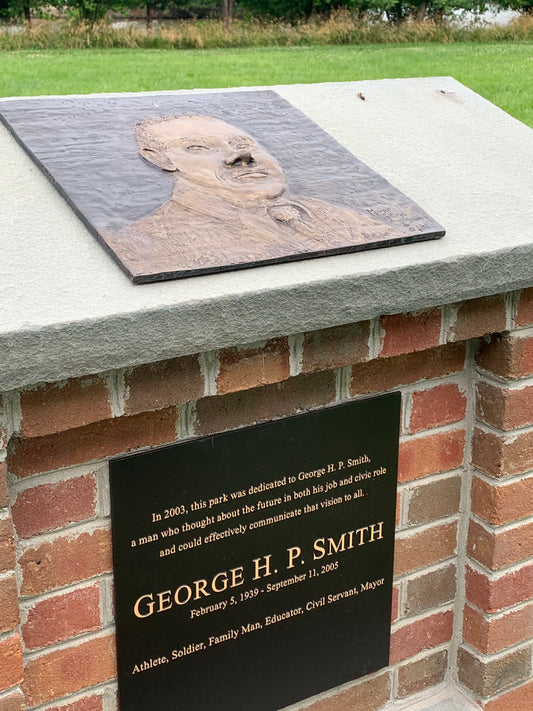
x,y
158,158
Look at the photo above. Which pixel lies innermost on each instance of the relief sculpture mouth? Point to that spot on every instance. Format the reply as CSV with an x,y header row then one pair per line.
x,y
254,174
249,175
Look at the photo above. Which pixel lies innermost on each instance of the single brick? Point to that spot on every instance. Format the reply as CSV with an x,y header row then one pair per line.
x,y
493,595
11,667
62,561
480,544
7,545
225,412
502,455
486,677
9,605
368,695
86,703
497,549
520,699
435,407
51,408
246,367
49,506
476,629
430,590
4,492
509,355
504,408
434,500
62,617
425,548
64,671
406,333
422,674
335,347
502,503
155,386
388,373
524,311
494,633
12,702
477,317
487,452
96,441
432,454
426,633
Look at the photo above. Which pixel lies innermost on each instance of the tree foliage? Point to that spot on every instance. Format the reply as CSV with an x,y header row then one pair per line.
x,y
395,11
17,9
87,10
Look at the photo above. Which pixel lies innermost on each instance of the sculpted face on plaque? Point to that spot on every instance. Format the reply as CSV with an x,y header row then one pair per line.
x,y
209,152
231,205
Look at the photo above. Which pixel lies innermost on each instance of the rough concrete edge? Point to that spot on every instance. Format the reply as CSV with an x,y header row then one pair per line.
x,y
73,349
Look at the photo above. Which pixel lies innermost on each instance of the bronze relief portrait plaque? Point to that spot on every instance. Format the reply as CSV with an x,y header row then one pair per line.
x,y
180,185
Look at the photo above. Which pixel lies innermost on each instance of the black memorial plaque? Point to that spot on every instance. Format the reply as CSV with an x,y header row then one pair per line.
x,y
253,568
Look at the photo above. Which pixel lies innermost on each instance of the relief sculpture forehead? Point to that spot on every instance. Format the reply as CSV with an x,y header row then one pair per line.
x,y
186,127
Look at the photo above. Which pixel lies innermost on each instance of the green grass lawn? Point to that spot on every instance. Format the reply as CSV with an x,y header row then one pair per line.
x,y
501,72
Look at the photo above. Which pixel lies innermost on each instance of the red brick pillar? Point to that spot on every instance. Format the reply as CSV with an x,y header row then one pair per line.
x,y
11,666
496,656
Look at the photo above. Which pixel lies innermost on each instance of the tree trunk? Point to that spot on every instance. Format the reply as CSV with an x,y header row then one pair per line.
x,y
27,14
227,14
149,17
421,12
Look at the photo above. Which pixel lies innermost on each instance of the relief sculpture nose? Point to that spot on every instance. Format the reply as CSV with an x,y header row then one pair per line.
x,y
239,158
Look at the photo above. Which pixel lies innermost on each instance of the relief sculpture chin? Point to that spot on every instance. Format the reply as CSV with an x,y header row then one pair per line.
x,y
231,206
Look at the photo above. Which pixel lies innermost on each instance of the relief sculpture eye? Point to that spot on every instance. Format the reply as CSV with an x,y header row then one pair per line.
x,y
240,142
197,147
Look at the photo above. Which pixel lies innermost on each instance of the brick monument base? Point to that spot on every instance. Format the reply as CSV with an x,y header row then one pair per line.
x,y
450,325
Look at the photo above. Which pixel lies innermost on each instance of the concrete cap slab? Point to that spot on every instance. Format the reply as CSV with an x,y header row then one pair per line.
x,y
66,309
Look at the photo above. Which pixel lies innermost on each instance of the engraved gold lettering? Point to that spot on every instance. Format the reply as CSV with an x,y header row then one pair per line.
x,y
294,553
145,606
149,606
258,568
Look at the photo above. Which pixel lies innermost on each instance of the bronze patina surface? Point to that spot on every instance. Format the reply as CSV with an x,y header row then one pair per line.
x,y
176,186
